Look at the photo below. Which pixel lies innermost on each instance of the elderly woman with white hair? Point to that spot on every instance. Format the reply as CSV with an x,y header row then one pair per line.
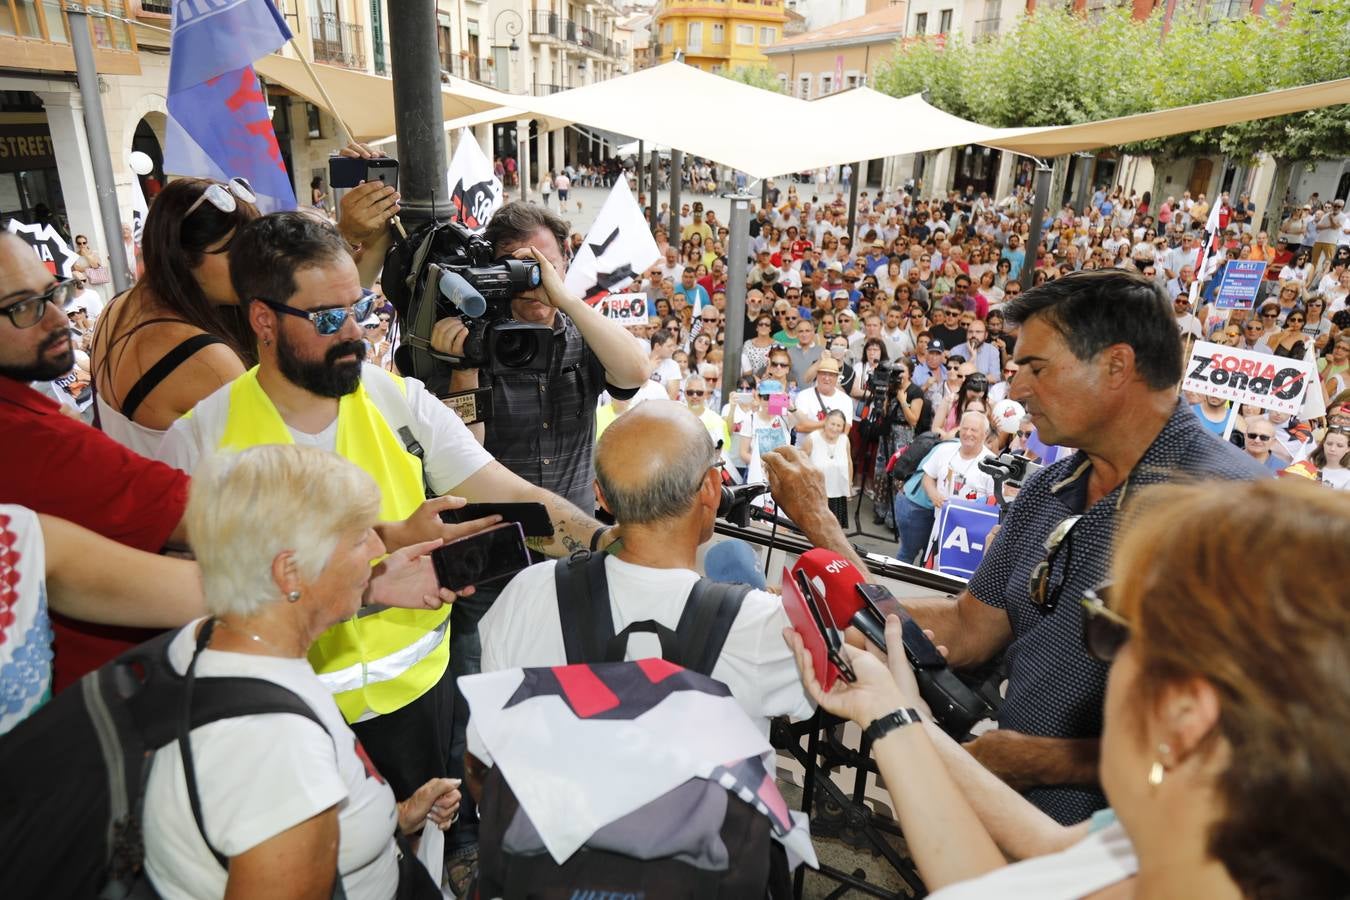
x,y
284,538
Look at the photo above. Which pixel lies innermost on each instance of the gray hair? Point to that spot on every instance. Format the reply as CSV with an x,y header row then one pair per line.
x,y
670,491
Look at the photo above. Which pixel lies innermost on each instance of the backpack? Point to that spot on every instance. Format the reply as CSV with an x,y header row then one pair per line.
x,y
73,774
754,859
911,457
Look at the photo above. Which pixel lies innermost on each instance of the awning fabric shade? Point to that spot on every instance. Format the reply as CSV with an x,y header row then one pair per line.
x,y
756,131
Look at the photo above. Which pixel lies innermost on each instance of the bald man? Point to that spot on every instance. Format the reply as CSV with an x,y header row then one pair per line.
x,y
655,472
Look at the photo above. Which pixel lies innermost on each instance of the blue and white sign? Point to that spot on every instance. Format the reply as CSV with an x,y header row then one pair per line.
x,y
1239,285
963,534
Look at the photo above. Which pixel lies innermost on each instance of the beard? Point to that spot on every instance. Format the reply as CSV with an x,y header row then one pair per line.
x,y
41,368
327,377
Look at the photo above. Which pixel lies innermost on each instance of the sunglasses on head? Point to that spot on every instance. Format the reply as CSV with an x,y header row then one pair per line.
x,y
327,321
1105,631
1043,587
224,196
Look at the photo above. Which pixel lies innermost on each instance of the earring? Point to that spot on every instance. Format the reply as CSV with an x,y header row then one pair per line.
x,y
1158,770
267,342
293,596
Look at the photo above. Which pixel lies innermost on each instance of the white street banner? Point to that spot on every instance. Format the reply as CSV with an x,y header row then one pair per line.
x,y
474,191
51,249
626,309
1247,376
619,248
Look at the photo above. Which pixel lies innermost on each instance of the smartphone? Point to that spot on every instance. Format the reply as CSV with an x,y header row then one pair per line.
x,y
531,517
481,559
812,635
742,398
922,653
349,171
778,404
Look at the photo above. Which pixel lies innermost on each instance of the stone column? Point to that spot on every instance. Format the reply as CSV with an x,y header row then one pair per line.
x,y
75,168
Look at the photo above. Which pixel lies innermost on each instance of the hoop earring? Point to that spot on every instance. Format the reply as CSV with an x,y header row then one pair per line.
x,y
293,596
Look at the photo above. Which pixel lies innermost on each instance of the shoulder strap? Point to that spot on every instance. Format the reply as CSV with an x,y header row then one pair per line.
x,y
583,606
706,622
160,370
224,698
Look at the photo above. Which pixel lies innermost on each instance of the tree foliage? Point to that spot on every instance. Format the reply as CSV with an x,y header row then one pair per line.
x,y
756,76
1061,68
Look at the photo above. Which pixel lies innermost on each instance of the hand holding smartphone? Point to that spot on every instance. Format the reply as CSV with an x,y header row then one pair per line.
x,y
482,559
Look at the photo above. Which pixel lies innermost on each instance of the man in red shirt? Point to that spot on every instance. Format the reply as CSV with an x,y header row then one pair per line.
x,y
55,464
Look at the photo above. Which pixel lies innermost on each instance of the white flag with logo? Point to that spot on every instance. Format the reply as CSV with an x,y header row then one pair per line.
x,y
474,190
618,249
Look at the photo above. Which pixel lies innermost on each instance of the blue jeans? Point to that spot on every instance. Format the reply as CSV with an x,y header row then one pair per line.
x,y
915,524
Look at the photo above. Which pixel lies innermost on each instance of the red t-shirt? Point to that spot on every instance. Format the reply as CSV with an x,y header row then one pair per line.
x,y
61,467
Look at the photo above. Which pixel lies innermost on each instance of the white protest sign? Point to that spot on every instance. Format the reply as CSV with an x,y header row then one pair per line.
x,y
618,248
626,309
1248,376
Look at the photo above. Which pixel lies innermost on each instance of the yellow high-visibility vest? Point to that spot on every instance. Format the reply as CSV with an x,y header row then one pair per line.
x,y
383,661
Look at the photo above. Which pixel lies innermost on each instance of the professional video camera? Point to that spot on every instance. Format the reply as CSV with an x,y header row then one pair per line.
x,y
443,269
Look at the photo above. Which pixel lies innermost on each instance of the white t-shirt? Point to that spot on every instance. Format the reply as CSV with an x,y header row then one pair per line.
x,y
1097,861
811,403
451,454
956,476
523,629
259,776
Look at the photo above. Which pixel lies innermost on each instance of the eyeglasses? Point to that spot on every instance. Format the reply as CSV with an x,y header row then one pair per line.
x,y
1253,436
1105,631
689,393
1025,434
223,196
28,312
777,365
1042,585
1270,315
763,325
327,321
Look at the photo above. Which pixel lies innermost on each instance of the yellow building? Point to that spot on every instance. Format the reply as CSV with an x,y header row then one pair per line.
x,y
717,35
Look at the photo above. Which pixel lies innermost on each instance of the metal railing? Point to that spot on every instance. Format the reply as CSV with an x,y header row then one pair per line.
x,y
549,24
338,43
985,29
470,68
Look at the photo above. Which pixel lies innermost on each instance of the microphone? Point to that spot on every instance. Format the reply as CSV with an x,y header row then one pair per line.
x,y
836,580
461,294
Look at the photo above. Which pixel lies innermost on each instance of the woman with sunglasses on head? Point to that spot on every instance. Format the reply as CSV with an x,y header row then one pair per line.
x,y
177,335
1225,713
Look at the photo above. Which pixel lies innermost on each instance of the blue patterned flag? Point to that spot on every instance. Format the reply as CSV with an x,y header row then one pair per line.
x,y
219,126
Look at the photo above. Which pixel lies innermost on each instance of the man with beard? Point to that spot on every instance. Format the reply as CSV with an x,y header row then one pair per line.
x,y
388,670
984,356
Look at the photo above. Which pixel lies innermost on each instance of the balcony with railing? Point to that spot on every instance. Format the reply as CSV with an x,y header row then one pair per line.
x,y
338,43
35,34
551,25
470,68
985,29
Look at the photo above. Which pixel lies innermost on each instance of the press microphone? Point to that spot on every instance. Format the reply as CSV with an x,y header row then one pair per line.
x,y
464,296
836,580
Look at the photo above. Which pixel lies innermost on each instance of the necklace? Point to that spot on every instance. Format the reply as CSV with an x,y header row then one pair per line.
x,y
255,638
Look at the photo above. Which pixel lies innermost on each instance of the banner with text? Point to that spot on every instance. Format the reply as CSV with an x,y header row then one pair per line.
x,y
626,309
1240,284
1248,376
475,191
963,535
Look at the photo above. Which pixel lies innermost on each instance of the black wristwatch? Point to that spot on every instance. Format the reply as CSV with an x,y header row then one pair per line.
x,y
889,722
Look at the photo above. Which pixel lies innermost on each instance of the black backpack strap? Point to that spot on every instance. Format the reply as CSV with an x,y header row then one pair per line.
x,y
617,647
214,699
583,607
708,615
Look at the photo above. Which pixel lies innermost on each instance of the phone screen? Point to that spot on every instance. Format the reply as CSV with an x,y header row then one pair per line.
x,y
482,558
921,651
743,398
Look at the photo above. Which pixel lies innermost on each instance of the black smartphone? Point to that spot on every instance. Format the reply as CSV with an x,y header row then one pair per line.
x,y
531,517
922,653
481,559
350,171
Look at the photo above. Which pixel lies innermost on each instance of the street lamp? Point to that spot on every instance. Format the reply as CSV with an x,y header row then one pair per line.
x,y
513,29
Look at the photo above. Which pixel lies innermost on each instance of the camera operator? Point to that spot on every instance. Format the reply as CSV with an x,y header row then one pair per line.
x,y
1100,357
543,426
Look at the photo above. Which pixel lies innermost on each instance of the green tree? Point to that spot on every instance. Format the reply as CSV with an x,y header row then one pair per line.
x,y
756,76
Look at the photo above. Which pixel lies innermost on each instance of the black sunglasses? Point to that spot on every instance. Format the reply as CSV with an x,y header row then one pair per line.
x,y
1043,587
1105,631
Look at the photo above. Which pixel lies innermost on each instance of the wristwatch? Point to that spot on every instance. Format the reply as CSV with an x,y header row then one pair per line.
x,y
889,722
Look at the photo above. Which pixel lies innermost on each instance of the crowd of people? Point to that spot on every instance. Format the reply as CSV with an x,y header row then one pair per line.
x,y
250,415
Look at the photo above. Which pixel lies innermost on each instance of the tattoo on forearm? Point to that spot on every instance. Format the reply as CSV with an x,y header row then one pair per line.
x,y
571,543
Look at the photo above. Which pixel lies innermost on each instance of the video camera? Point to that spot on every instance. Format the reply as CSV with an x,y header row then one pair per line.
x,y
1009,469
884,378
443,269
